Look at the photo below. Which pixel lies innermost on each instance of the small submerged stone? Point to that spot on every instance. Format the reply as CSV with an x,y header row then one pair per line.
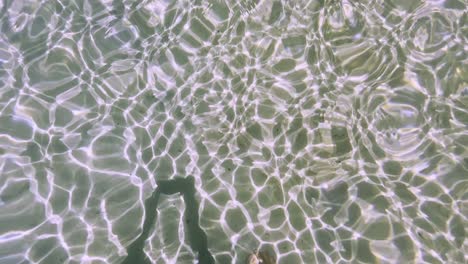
x,y
261,257
253,259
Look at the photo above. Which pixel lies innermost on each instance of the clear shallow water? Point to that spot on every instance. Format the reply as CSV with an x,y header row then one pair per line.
x,y
185,131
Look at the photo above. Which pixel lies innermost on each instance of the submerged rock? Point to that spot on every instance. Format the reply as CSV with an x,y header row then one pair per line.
x,y
261,257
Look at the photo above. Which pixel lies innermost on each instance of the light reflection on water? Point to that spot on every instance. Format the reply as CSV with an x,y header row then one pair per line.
x,y
305,131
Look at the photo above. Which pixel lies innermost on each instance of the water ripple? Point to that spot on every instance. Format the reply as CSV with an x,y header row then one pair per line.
x,y
307,131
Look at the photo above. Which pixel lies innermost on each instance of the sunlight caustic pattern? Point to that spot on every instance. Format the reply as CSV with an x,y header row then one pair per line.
x,y
320,131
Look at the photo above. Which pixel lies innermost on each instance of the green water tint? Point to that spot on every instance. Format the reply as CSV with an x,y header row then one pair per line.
x,y
316,131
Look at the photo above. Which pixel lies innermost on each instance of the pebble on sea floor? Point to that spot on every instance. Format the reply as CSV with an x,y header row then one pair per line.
x,y
260,257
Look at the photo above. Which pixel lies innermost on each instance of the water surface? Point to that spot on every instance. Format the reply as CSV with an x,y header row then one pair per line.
x,y
201,131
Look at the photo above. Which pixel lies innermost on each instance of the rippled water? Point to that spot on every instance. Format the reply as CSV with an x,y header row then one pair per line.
x,y
207,131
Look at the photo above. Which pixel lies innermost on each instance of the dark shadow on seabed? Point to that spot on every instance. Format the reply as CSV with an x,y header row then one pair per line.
x,y
198,238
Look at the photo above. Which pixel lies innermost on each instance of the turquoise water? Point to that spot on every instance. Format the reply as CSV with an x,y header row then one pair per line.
x,y
232,131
